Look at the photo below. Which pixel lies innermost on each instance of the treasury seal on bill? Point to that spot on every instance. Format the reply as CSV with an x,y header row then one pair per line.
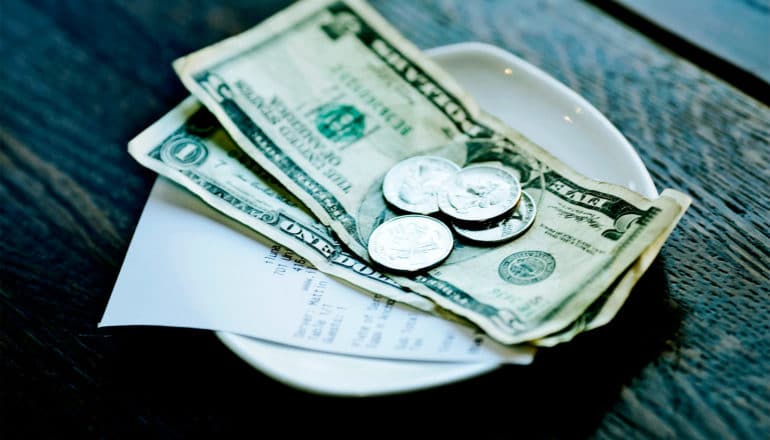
x,y
527,267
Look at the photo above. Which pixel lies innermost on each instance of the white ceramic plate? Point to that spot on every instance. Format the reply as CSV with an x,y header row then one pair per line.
x,y
544,110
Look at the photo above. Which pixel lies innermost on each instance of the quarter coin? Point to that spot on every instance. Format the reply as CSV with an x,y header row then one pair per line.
x,y
479,194
411,185
410,243
506,229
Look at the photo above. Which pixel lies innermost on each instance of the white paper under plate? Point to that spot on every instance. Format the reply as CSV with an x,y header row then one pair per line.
x,y
527,99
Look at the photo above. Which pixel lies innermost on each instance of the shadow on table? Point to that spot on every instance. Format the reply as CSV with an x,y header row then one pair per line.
x,y
566,391
188,383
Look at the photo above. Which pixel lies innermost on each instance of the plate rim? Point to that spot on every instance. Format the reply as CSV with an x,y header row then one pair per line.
x,y
458,370
647,189
236,342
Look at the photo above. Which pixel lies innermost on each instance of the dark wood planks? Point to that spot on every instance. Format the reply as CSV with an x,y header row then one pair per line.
x,y
736,30
687,357
696,134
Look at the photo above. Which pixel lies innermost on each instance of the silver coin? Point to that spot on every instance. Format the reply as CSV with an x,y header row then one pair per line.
x,y
479,194
506,229
410,243
411,185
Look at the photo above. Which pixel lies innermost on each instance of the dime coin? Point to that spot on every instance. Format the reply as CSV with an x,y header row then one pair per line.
x,y
479,194
410,243
506,229
411,185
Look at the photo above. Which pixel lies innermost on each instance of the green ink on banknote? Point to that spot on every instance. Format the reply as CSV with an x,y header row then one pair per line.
x,y
527,267
183,152
340,123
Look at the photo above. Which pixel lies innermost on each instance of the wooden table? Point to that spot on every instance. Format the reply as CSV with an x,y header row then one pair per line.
x,y
688,356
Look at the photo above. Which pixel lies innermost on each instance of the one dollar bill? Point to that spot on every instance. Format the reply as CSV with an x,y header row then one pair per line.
x,y
327,97
189,147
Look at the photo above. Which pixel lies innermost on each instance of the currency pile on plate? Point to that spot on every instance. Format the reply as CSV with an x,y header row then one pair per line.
x,y
483,204
326,131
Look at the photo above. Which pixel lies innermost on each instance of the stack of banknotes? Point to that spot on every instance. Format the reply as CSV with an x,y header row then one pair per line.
x,y
293,125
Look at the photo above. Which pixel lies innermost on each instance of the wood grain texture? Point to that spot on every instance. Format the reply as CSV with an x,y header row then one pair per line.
x,y
686,357
736,30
